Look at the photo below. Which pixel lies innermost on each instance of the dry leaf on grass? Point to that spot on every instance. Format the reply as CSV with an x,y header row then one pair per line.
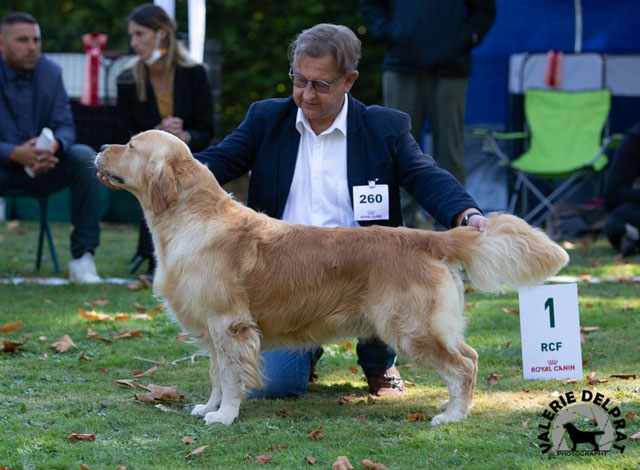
x,y
630,416
494,378
182,336
635,437
95,316
310,460
506,345
94,335
9,327
197,451
513,311
593,380
415,417
63,345
277,447
158,393
353,370
128,334
369,465
346,344
161,407
624,376
74,436
569,381
263,459
589,329
342,463
139,373
141,316
139,308
188,440
283,414
126,383
84,357
316,434
12,346
99,302
526,422
84,467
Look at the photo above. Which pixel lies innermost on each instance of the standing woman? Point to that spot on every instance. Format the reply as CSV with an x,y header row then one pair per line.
x,y
162,89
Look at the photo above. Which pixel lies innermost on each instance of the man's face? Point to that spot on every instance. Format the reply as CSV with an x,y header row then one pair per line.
x,y
321,109
20,46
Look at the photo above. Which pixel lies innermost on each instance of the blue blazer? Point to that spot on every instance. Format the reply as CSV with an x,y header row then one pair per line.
x,y
379,147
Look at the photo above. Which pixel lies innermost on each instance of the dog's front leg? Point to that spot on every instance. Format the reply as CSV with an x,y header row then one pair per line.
x,y
216,392
237,346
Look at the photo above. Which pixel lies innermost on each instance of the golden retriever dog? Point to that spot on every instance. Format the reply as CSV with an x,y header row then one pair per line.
x,y
239,281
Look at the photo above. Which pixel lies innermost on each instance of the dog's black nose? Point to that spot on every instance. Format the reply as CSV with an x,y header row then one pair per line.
x,y
103,147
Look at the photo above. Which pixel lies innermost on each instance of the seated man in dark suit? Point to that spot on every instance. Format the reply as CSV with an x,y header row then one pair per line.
x,y
32,97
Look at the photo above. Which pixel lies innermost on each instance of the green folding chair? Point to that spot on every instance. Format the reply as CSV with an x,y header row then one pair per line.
x,y
565,134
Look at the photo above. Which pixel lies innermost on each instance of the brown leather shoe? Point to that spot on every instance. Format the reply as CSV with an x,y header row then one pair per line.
x,y
384,383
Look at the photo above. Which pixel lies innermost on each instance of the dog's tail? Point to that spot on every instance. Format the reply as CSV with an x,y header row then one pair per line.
x,y
509,252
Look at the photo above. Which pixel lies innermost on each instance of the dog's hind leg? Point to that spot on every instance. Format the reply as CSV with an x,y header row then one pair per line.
x,y
216,391
458,371
237,346
470,353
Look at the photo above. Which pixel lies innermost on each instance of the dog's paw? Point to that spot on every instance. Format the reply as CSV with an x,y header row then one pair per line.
x,y
220,417
201,410
443,405
446,418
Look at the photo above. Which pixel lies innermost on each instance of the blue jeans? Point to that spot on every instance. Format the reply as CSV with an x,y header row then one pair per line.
x,y
286,371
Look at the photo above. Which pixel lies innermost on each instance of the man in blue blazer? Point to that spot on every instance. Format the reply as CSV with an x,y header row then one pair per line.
x,y
323,158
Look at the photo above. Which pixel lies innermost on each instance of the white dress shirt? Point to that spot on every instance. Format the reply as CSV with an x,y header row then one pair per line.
x,y
319,193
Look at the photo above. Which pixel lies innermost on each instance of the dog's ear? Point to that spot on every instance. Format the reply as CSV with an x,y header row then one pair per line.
x,y
162,189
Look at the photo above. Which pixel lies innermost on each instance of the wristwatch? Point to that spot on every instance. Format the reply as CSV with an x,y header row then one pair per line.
x,y
465,220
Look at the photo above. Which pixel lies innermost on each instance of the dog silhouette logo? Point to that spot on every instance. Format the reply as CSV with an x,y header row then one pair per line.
x,y
582,437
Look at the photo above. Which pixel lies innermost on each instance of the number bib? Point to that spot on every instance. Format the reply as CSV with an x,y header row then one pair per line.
x,y
371,202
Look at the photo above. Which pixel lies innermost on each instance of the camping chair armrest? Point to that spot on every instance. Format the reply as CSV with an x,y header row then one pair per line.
x,y
491,140
609,142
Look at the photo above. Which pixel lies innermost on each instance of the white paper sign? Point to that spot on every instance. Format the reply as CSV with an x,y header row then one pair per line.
x,y
371,202
550,329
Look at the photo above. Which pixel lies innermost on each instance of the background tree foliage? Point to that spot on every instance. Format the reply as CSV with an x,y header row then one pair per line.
x,y
254,36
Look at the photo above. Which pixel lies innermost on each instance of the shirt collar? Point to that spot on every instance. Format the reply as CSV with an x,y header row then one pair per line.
x,y
11,74
339,123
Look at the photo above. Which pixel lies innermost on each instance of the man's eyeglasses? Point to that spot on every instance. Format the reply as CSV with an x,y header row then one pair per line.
x,y
300,81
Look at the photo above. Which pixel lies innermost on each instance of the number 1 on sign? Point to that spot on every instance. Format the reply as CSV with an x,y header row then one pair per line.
x,y
552,318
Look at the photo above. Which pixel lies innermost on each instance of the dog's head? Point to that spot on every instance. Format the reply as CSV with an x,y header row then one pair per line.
x,y
146,167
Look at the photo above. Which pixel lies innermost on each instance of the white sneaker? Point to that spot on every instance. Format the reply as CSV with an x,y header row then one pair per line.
x,y
83,270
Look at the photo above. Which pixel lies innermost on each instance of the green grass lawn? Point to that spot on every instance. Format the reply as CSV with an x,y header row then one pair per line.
x,y
46,395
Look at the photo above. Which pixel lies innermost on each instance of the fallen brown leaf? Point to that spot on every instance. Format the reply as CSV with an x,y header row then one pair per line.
x,y
506,345
122,316
468,307
494,378
277,447
129,334
84,357
311,460
12,346
197,451
126,383
353,370
283,414
63,345
526,422
263,459
414,417
161,407
624,376
188,440
593,380
141,316
342,463
630,416
99,302
375,465
84,467
9,327
95,316
589,329
144,280
316,434
144,397
635,436
139,308
135,286
93,335
139,373
74,436
513,311
569,381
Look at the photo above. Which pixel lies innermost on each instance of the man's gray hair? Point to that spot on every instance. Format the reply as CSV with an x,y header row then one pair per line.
x,y
328,40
